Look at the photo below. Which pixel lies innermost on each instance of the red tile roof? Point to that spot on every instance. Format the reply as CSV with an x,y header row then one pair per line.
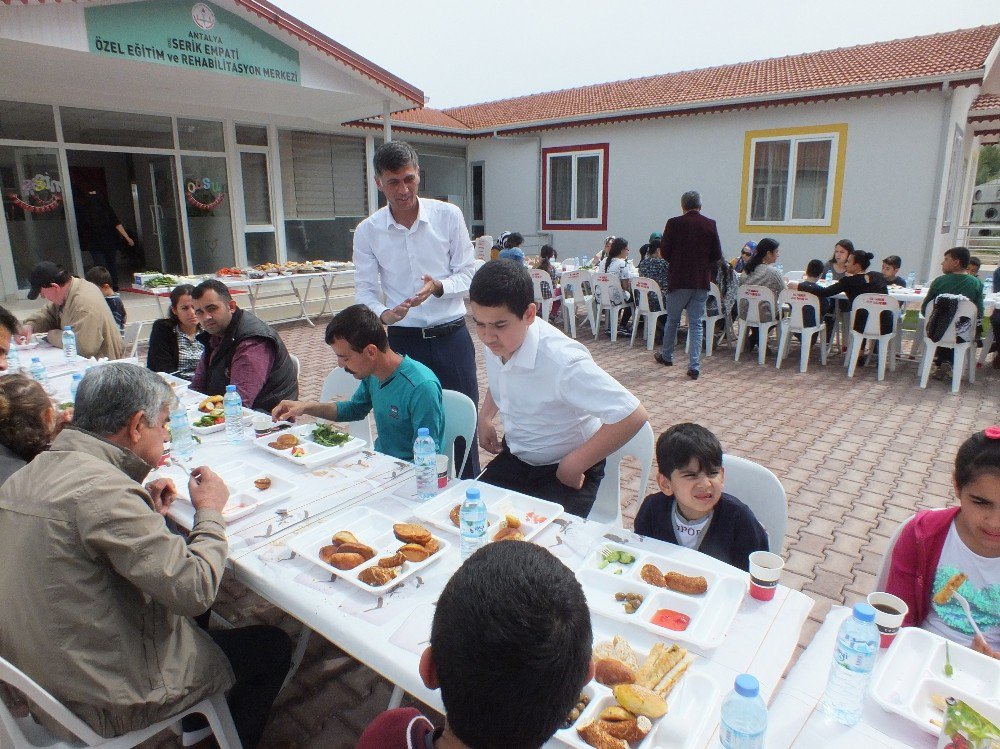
x,y
903,62
986,101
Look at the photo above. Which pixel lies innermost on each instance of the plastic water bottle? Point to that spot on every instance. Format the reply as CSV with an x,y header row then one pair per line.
x,y
988,286
74,385
425,459
13,359
232,405
851,670
472,522
38,373
780,268
69,343
181,443
744,716
829,276
911,279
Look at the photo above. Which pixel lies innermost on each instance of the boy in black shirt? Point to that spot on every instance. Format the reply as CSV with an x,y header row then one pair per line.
x,y
101,278
692,510
890,269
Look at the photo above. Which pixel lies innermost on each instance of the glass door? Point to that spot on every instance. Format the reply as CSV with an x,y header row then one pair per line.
x,y
163,215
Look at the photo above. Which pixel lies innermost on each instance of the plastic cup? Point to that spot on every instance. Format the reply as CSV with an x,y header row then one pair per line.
x,y
890,611
262,423
765,570
442,469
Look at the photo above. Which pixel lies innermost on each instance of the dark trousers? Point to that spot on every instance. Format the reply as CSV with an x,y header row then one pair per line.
x,y
260,657
452,358
510,472
107,256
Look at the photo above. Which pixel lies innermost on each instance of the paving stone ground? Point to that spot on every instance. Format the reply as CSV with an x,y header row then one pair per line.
x,y
856,457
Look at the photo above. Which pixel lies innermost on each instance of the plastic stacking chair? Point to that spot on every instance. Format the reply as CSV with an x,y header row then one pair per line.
x,y
132,337
754,296
795,275
608,504
297,364
761,491
541,282
641,289
874,305
459,421
575,284
340,385
607,288
964,352
794,322
988,340
22,733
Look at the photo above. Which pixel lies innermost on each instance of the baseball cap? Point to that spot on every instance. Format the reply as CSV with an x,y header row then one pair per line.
x,y
44,274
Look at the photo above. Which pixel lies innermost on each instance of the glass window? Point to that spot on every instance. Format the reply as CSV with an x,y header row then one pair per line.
x,y
261,247
251,135
20,121
478,180
574,180
770,180
200,135
32,193
206,193
812,177
102,128
256,194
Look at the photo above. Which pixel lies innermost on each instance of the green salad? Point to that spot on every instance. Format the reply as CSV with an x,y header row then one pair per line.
x,y
329,437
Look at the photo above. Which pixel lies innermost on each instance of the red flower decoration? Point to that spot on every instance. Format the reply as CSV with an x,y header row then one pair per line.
x,y
992,432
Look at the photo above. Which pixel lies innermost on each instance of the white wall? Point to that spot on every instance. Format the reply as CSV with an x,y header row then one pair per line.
x,y
890,181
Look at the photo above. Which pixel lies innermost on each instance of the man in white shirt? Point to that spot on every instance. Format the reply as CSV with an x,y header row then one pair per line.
x,y
414,261
562,414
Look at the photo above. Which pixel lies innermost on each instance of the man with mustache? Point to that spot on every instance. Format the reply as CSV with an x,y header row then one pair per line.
x,y
404,394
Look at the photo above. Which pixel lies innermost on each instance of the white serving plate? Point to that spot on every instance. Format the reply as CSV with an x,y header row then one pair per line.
x,y
244,497
535,514
371,528
692,706
711,613
316,455
912,669
194,414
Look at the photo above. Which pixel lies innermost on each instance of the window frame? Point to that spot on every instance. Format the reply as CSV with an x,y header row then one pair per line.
x,y
602,151
830,223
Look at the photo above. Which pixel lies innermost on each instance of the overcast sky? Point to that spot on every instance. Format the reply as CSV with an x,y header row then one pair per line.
x,y
469,51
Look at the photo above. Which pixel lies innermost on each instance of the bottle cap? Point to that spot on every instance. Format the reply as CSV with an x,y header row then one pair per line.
x,y
68,329
864,612
747,685
423,432
35,359
77,376
472,493
230,388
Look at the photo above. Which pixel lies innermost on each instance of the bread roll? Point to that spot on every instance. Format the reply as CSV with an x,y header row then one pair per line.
x,y
353,547
639,700
411,533
344,537
344,561
376,576
414,552
610,671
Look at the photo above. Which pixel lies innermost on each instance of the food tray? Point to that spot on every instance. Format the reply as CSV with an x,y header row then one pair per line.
x,y
912,670
535,514
711,613
371,528
689,721
244,497
316,455
194,414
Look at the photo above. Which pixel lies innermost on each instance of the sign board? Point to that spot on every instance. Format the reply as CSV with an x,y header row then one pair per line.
x,y
197,36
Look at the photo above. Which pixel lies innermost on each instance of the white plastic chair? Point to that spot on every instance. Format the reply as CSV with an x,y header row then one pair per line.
x,y
131,337
794,322
708,321
641,289
795,275
340,385
603,287
607,507
874,304
540,280
754,297
298,366
761,491
964,353
573,296
23,733
459,421
987,345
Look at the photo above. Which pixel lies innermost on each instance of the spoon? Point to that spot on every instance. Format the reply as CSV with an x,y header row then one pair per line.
x,y
948,670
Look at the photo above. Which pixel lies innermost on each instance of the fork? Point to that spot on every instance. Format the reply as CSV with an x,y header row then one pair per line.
x,y
179,464
965,607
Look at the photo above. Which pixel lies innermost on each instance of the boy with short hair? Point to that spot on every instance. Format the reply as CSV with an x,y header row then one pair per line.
x,y
562,414
101,278
691,509
890,269
511,667
814,270
974,265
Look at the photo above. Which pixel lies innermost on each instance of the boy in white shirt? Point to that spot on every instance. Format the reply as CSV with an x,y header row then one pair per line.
x,y
562,414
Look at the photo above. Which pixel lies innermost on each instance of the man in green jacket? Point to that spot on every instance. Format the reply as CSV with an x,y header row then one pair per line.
x,y
99,596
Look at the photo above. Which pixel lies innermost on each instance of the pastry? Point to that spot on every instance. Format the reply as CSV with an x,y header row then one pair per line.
x,y
286,441
640,700
344,561
685,583
355,547
652,575
411,533
950,588
615,713
619,649
632,730
344,537
453,515
394,561
661,659
595,735
506,533
376,576
432,546
611,671
262,483
414,552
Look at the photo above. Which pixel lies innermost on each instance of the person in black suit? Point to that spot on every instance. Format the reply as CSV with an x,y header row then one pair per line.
x,y
692,247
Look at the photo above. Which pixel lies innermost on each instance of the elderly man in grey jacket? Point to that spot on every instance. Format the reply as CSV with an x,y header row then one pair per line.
x,y
99,596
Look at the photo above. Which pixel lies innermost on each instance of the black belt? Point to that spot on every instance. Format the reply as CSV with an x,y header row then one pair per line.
x,y
435,331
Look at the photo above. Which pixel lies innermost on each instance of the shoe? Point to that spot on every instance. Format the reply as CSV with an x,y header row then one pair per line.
x,y
659,358
942,372
693,374
625,332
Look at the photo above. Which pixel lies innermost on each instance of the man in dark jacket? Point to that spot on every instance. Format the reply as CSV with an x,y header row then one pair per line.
x,y
240,350
691,246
